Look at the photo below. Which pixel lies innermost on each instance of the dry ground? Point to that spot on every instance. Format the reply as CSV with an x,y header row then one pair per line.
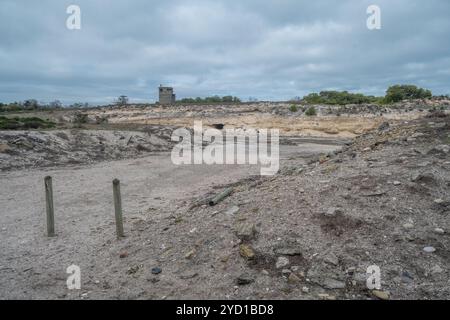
x,y
155,195
308,233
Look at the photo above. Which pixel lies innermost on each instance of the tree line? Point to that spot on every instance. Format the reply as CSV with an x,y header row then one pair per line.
x,y
394,94
33,104
213,99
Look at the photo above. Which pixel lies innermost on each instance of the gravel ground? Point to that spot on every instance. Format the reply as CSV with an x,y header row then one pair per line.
x,y
308,233
155,195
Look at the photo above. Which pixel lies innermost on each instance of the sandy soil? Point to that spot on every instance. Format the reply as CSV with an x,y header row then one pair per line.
x,y
331,121
352,121
155,193
309,232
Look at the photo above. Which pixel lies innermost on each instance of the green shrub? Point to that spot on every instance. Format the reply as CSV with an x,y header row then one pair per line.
x,y
9,124
338,97
122,100
32,125
311,111
393,94
293,108
17,123
213,99
405,92
80,118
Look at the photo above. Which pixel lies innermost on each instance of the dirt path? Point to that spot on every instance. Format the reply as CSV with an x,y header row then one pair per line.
x,y
154,191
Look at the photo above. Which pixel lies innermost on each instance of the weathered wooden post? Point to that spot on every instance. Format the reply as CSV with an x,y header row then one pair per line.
x,y
49,206
118,208
220,196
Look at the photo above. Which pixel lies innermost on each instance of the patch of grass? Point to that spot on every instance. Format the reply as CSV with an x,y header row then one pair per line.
x,y
18,123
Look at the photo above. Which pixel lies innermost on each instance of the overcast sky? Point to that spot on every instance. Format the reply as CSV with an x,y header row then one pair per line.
x,y
270,50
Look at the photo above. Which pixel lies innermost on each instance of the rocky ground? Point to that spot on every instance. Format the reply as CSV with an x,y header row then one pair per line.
x,y
331,121
309,232
384,200
26,149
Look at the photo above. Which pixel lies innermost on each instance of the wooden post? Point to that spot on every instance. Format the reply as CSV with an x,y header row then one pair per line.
x,y
118,208
49,206
215,200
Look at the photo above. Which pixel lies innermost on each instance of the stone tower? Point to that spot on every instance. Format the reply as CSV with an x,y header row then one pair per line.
x,y
166,95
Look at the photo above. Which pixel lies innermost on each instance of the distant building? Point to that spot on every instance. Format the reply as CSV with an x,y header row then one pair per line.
x,y
166,95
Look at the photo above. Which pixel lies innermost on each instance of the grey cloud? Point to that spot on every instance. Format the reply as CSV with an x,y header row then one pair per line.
x,y
265,49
